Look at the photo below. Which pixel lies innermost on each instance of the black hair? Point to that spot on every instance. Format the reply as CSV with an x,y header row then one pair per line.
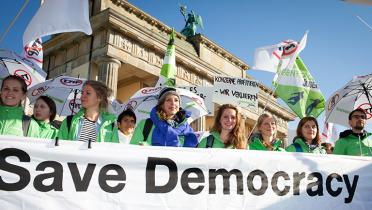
x,y
127,112
52,107
357,110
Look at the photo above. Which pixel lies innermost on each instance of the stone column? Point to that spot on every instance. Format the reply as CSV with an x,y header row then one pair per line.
x,y
108,72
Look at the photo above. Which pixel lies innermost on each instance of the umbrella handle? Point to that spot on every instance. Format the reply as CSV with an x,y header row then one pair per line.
x,y
90,143
56,142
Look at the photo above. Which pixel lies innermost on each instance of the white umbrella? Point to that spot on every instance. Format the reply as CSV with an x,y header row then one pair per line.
x,y
146,98
64,90
357,93
13,64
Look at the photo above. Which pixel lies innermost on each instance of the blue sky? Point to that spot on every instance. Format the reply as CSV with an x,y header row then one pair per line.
x,y
338,46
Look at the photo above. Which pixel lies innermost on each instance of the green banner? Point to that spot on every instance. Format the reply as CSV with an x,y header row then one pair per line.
x,y
298,89
168,70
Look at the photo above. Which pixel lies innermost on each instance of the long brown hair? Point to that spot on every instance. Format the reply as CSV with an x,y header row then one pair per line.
x,y
236,135
302,122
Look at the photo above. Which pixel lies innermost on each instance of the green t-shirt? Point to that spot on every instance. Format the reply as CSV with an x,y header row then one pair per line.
x,y
47,131
256,144
351,145
217,142
11,122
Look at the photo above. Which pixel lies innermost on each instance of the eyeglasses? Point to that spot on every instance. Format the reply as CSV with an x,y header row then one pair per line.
x,y
363,117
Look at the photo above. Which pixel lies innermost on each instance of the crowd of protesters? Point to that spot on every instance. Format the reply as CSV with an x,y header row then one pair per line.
x,y
167,124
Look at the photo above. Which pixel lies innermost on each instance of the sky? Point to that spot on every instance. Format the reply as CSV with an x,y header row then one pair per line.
x,y
338,45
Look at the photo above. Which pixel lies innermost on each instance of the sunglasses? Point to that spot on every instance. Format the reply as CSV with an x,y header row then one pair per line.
x,y
363,117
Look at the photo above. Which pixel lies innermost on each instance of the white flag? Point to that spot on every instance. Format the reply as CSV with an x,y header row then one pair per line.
x,y
267,58
58,16
33,51
329,134
279,56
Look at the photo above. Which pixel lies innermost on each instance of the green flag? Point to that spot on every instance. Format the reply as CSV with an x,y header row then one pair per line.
x,y
298,89
168,70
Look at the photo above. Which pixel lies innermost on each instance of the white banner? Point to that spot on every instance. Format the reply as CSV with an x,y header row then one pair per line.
x,y
206,93
238,91
34,174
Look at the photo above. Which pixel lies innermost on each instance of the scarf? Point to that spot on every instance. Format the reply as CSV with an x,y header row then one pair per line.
x,y
166,135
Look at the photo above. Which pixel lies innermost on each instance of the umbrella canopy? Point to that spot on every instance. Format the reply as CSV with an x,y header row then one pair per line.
x,y
64,90
13,64
146,98
355,94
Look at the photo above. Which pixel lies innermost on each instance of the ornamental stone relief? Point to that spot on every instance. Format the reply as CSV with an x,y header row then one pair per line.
x,y
141,52
152,57
126,45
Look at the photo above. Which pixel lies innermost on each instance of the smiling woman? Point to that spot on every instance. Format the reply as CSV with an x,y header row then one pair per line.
x,y
308,138
13,121
227,131
265,138
167,125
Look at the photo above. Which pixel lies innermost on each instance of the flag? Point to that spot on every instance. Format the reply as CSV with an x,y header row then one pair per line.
x,y
277,57
329,134
298,89
58,16
168,70
33,51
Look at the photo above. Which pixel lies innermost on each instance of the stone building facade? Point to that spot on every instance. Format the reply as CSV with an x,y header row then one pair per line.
x,y
126,52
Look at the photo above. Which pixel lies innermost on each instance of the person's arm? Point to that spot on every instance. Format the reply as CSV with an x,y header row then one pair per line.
x,y
34,129
137,137
55,133
290,148
63,132
115,135
203,143
339,148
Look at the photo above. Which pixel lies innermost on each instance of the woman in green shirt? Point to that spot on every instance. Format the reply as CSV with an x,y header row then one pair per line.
x,y
265,137
93,122
13,121
308,138
44,114
227,131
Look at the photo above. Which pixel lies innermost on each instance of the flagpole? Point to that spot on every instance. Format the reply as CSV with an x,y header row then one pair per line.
x,y
267,101
75,94
13,21
91,45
